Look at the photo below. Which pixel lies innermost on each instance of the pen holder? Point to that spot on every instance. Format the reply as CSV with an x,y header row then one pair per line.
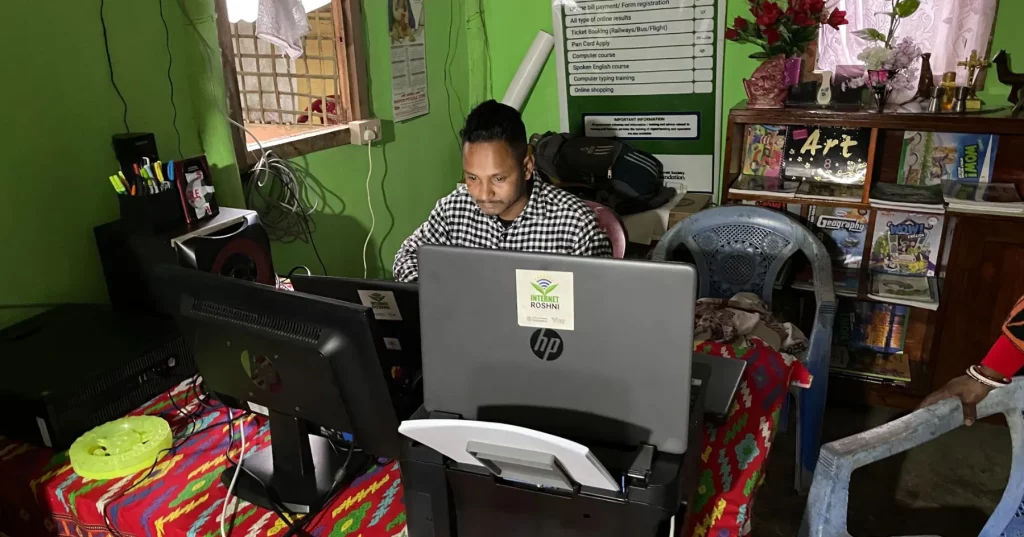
x,y
153,213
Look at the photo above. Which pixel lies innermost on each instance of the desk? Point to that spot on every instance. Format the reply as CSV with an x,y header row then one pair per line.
x,y
41,495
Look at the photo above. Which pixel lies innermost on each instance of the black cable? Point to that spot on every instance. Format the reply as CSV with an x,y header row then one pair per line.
x,y
296,269
170,79
110,66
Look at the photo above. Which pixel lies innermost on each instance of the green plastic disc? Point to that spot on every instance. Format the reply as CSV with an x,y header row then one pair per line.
x,y
121,447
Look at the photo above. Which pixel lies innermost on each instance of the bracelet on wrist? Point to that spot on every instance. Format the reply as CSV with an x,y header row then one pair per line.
x,y
976,374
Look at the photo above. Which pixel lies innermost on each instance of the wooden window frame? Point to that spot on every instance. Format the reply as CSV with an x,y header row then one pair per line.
x,y
350,51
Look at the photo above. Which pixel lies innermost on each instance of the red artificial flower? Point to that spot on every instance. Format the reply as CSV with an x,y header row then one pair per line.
x,y
770,13
731,34
815,7
800,18
740,23
837,18
771,35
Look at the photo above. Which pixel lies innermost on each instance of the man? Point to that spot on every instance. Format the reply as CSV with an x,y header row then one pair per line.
x,y
1002,362
500,205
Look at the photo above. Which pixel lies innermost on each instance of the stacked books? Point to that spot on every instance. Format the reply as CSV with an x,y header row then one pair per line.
x,y
775,187
868,342
923,198
907,290
985,198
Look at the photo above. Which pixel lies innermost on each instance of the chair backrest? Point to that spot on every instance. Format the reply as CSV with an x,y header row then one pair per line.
x,y
826,512
742,248
611,224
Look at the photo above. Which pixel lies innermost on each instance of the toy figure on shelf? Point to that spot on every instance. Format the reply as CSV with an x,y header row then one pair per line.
x,y
825,91
1008,77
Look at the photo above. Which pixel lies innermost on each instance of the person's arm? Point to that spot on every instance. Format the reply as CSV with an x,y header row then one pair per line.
x,y
1002,362
591,241
433,231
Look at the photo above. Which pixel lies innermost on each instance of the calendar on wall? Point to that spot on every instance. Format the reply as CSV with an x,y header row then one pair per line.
x,y
647,72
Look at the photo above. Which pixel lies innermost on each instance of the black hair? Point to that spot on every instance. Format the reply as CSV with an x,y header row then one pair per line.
x,y
492,121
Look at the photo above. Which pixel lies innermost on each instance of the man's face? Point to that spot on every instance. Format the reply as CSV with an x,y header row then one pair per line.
x,y
496,178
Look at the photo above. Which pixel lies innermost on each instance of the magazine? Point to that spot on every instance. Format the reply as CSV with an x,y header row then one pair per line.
x,y
871,325
906,243
831,154
928,158
913,197
763,150
843,231
830,191
765,186
917,291
991,198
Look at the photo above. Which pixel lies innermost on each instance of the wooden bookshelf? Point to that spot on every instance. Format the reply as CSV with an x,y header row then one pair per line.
x,y
985,252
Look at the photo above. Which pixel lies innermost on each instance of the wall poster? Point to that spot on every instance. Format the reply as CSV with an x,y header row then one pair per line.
x,y
648,72
406,26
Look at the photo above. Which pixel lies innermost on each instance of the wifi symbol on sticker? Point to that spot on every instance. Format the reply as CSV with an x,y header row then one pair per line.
x,y
544,286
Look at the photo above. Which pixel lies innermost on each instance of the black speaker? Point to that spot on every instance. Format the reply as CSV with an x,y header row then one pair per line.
x,y
233,244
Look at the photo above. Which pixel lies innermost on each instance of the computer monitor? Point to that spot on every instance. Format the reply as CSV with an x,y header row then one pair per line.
x,y
307,362
396,310
596,350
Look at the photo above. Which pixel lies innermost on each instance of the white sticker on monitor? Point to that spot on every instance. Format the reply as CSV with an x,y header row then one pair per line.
x,y
392,344
544,299
383,304
259,409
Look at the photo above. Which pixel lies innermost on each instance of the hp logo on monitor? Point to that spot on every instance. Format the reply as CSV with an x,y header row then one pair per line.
x,y
546,344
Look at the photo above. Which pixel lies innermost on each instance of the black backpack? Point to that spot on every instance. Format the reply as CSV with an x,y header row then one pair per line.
x,y
604,170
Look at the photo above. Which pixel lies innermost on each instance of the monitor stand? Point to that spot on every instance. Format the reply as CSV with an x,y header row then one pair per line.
x,y
298,468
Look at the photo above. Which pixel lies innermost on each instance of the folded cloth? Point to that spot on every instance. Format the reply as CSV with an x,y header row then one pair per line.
x,y
746,315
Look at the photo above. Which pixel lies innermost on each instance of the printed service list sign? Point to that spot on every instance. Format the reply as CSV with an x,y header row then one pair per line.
x,y
648,72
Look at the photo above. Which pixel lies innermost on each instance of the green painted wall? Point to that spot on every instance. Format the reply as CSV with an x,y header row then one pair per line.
x,y
59,112
418,162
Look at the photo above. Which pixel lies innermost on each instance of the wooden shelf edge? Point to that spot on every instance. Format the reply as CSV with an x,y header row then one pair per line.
x,y
997,122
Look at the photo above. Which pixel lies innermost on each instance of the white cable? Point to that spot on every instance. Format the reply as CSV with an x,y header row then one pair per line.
x,y
369,203
234,478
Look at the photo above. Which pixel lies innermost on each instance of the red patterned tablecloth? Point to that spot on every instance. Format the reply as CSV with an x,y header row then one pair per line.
x,y
40,494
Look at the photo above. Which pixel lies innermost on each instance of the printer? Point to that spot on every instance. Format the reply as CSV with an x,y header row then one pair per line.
x,y
585,429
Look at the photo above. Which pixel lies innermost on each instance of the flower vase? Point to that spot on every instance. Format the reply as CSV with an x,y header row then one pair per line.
x,y
793,66
767,86
879,80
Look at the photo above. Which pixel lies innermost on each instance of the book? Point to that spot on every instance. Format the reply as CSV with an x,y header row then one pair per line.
x,y
830,191
917,291
843,231
779,205
988,198
928,158
906,243
830,154
764,186
871,366
845,282
913,197
763,149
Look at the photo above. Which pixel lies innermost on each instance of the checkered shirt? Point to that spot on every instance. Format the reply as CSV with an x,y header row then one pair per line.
x,y
553,221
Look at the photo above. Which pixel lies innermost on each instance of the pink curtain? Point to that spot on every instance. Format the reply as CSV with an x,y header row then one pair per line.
x,y
949,29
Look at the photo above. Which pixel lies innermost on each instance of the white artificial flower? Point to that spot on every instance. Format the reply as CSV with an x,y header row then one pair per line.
x,y
875,57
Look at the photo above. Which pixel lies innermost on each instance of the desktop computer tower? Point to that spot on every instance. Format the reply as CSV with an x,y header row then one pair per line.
x,y
234,243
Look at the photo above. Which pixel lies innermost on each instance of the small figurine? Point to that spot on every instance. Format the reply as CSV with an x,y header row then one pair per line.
x,y
927,80
949,89
1008,77
975,66
825,91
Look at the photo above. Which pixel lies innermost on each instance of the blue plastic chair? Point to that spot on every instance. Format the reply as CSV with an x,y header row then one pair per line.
x,y
742,248
830,493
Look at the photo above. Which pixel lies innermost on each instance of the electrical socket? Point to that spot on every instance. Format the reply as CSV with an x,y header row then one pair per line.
x,y
364,131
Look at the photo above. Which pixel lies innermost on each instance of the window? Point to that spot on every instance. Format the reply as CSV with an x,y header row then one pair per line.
x,y
948,29
294,105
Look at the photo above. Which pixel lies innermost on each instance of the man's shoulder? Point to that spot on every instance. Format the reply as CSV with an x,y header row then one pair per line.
x,y
563,203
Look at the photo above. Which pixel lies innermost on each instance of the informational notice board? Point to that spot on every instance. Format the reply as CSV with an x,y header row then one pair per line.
x,y
648,72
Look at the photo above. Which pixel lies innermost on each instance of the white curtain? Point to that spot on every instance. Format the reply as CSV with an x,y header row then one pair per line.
x,y
948,29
